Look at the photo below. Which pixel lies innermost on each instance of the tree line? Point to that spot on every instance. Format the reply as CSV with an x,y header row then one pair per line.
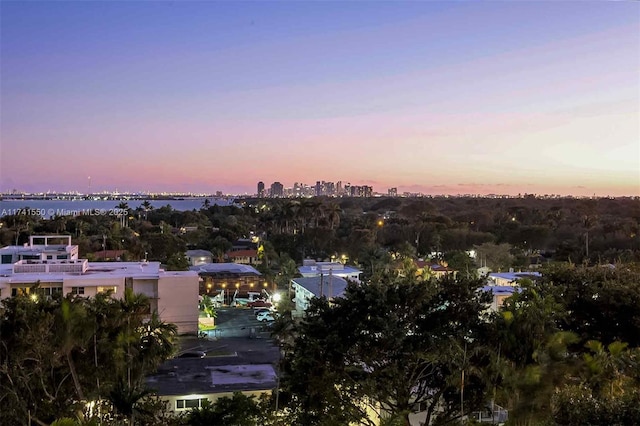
x,y
505,232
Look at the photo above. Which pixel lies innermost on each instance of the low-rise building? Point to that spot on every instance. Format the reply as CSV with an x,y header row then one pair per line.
x,y
228,277
186,383
511,278
43,247
500,293
435,269
198,257
312,268
244,257
329,286
173,295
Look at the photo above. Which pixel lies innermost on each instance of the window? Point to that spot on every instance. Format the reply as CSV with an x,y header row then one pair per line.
x,y
110,289
49,257
6,259
47,292
19,291
77,290
62,256
182,404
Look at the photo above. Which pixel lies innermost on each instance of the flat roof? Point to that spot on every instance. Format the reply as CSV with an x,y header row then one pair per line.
x,y
185,376
191,253
95,270
316,269
334,285
224,268
501,289
513,276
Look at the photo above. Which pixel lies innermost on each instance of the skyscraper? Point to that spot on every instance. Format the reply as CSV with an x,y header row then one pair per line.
x,y
260,189
277,189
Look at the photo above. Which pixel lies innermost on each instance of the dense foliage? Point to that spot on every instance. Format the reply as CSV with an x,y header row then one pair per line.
x,y
59,354
506,232
563,350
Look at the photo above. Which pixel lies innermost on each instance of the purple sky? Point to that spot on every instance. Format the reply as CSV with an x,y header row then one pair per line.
x,y
436,97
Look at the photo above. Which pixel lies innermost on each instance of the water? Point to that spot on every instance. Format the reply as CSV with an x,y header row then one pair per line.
x,y
50,208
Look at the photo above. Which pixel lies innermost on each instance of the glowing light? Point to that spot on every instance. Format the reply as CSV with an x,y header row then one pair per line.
x,y
277,297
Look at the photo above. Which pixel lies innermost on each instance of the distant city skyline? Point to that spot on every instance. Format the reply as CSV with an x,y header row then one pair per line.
x,y
428,97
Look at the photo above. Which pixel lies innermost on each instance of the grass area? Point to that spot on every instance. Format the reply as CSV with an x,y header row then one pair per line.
x,y
206,327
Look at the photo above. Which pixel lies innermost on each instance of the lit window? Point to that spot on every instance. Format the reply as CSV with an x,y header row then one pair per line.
x,y
182,404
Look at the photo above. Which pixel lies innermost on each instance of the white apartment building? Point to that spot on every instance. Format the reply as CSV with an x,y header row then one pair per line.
x,y
311,268
53,263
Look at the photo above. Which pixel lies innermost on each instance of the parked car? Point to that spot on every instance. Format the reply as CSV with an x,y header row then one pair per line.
x,y
265,316
192,354
261,310
259,304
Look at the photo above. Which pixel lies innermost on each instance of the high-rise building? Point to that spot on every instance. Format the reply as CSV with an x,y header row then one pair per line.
x,y
277,189
392,192
260,189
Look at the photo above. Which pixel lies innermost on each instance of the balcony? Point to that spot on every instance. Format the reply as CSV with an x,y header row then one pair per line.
x,y
78,266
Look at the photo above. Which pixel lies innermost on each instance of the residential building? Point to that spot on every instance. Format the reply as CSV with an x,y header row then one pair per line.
x,y
511,278
392,192
186,383
277,190
312,268
245,257
108,255
260,189
500,293
435,269
39,272
328,286
244,244
228,277
44,247
198,257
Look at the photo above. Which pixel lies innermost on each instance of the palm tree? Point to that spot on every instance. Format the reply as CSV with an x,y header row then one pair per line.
x,y
156,344
146,207
333,212
74,333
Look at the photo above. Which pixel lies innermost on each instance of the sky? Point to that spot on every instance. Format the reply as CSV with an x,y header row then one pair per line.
x,y
433,97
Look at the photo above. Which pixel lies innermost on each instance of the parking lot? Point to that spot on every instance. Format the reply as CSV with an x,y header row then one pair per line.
x,y
237,334
238,322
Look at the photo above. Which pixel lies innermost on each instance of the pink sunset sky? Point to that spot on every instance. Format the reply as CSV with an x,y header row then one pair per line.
x,y
440,98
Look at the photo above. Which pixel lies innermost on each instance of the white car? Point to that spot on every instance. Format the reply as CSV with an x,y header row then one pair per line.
x,y
265,316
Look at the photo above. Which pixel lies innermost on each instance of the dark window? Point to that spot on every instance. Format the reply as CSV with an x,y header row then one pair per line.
x,y
192,403
77,290
180,403
6,259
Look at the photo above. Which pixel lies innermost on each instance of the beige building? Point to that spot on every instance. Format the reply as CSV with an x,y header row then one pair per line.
x,y
52,263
